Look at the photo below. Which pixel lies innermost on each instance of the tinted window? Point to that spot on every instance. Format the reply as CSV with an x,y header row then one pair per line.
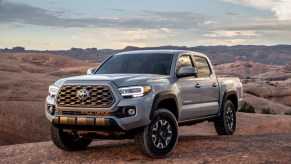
x,y
137,63
202,67
184,61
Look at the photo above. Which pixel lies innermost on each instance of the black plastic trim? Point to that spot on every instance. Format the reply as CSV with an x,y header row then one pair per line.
x,y
163,96
195,121
121,112
111,125
224,98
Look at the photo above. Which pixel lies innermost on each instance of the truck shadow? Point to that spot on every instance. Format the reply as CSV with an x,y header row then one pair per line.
x,y
107,144
126,149
203,148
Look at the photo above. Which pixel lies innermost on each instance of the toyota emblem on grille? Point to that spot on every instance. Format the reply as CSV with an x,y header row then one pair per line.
x,y
83,94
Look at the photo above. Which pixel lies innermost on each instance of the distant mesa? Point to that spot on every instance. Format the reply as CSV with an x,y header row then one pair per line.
x,y
15,49
220,54
91,49
81,49
22,49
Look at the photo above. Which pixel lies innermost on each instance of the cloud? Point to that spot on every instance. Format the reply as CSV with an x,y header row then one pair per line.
x,y
26,14
115,9
256,24
222,34
122,37
22,13
232,13
281,8
249,31
141,27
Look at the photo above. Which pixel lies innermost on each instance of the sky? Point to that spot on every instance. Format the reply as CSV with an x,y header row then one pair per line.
x,y
63,24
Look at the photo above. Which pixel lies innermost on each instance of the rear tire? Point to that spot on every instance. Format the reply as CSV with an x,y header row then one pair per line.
x,y
67,141
159,138
225,124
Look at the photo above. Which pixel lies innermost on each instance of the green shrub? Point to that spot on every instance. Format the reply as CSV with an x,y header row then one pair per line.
x,y
288,113
268,111
247,108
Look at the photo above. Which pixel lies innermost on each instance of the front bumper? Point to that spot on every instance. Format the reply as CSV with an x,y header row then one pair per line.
x,y
102,118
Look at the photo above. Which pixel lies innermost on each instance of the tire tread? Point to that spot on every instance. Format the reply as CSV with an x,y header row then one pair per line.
x,y
141,140
219,122
60,142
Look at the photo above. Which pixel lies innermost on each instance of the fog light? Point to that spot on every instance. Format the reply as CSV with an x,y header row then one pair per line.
x,y
131,112
51,110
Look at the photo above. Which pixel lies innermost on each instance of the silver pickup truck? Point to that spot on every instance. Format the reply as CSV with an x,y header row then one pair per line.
x,y
142,95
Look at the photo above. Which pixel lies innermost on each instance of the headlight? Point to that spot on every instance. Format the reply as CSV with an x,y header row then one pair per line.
x,y
53,90
135,91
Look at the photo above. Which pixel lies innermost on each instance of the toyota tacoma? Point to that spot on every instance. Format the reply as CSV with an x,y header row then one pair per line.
x,y
142,95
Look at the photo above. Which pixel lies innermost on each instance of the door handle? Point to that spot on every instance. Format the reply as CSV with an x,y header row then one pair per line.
x,y
214,85
197,85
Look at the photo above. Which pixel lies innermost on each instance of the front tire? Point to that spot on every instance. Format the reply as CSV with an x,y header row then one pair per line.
x,y
159,138
68,141
225,124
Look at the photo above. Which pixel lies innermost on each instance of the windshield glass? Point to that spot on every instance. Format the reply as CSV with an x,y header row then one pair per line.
x,y
137,64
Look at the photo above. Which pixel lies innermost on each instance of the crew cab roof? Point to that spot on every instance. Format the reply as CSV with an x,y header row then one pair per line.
x,y
163,52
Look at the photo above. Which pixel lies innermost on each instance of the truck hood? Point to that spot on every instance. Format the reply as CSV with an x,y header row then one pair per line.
x,y
120,80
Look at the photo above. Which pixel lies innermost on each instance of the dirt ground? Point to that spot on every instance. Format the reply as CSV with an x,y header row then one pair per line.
x,y
255,141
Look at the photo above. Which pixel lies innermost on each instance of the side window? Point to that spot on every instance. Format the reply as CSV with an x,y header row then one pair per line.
x,y
202,66
184,61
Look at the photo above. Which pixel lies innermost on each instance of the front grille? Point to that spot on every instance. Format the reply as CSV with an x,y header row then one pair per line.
x,y
99,96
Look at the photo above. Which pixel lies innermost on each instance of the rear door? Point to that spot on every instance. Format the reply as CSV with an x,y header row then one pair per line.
x,y
190,95
209,86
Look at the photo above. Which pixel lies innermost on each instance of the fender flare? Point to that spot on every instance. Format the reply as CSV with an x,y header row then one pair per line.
x,y
163,96
225,95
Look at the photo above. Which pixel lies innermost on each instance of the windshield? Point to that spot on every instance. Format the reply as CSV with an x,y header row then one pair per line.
x,y
137,64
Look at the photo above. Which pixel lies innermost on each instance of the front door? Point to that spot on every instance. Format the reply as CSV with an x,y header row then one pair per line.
x,y
189,90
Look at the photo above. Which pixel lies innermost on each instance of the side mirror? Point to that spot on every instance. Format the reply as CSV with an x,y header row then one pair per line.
x,y
90,71
187,71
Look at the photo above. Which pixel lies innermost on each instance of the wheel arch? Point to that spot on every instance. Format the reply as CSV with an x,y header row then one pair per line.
x,y
167,100
232,96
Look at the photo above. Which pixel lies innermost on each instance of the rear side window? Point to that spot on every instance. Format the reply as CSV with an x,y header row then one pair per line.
x,y
202,66
184,61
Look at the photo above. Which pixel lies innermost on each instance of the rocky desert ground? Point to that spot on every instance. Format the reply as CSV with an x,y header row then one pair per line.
x,y
24,81
265,86
260,138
